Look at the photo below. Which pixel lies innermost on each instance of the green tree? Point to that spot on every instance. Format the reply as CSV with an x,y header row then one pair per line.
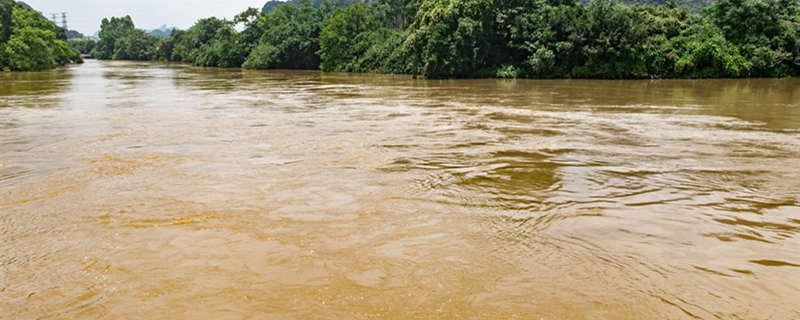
x,y
542,36
388,54
33,44
177,47
451,38
29,49
187,46
397,14
6,11
263,56
293,33
135,45
110,32
222,51
346,37
82,46
766,30
703,52
273,5
470,38
251,33
120,40
612,39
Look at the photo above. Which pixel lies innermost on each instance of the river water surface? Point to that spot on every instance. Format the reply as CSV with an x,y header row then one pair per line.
x,y
149,191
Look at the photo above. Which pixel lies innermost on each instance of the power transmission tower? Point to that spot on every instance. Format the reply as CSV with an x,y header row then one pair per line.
x,y
64,21
54,18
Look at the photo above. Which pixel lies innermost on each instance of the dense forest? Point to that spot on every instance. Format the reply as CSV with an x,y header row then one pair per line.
x,y
486,38
30,42
270,6
693,5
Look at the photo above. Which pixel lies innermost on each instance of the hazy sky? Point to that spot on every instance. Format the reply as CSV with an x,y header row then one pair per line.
x,y
85,15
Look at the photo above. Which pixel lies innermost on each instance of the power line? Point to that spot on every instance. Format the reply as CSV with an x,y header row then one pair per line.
x,y
63,21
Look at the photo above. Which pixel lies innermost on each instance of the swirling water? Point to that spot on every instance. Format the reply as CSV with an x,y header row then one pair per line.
x,y
144,190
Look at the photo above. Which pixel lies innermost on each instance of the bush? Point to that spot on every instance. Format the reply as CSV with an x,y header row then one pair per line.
x,y
264,56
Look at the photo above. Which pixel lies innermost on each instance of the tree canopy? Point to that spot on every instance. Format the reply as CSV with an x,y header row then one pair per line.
x,y
488,38
29,42
272,5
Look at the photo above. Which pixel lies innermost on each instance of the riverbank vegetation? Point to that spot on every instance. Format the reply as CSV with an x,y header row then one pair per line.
x,y
486,38
30,42
84,47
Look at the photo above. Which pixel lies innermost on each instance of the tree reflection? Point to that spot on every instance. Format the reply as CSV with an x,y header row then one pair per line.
x,y
35,89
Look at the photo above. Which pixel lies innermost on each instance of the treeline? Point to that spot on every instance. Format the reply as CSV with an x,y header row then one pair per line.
x,y
486,38
692,5
271,5
30,42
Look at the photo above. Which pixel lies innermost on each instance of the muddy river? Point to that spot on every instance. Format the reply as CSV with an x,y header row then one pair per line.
x,y
162,191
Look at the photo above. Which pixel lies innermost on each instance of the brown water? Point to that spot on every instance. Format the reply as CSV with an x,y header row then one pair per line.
x,y
139,190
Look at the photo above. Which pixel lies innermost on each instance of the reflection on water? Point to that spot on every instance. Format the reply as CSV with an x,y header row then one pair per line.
x,y
163,191
34,89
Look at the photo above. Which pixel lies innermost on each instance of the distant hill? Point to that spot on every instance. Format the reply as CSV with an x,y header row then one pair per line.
x,y
25,5
162,32
72,34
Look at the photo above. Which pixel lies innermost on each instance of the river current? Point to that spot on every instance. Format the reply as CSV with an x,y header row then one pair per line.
x,y
162,191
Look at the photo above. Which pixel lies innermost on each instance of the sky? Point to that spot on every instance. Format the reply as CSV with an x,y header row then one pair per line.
x,y
85,15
